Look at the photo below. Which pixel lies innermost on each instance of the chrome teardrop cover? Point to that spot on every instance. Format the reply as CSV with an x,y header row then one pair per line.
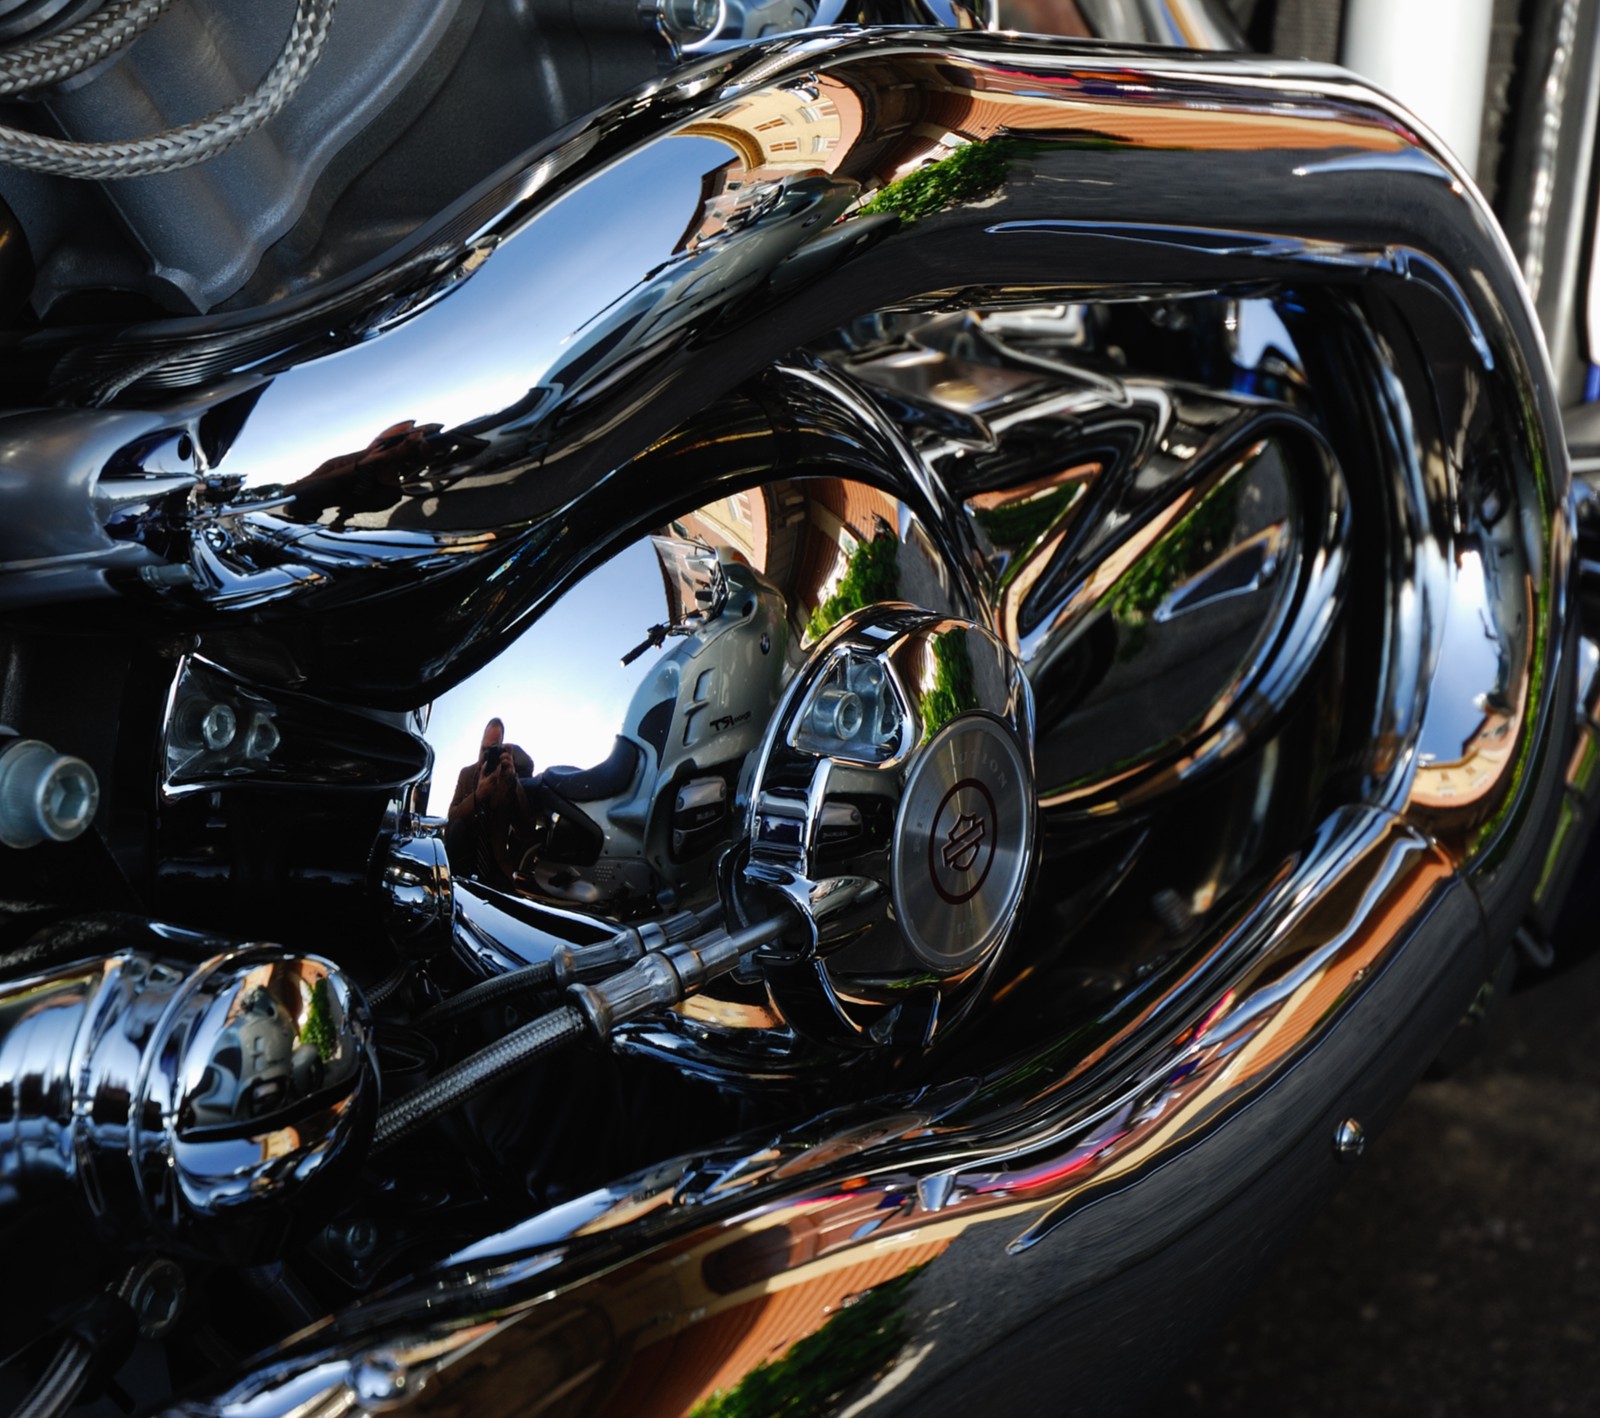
x,y
893,807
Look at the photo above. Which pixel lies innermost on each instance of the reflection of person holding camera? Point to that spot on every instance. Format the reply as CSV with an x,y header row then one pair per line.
x,y
487,805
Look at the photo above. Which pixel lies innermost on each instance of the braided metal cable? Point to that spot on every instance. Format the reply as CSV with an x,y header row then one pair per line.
x,y
540,975
61,1382
192,142
42,62
464,1080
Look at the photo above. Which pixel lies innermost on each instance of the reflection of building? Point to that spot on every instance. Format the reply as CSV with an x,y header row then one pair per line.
x,y
798,127
800,534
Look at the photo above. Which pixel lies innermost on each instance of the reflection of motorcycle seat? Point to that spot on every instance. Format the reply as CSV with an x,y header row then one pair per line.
x,y
575,839
588,785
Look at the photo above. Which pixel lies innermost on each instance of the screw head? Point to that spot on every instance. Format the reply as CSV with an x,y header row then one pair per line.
x,y
218,725
157,1297
1349,1140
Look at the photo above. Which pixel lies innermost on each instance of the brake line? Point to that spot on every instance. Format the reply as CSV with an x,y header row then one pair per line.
x,y
661,979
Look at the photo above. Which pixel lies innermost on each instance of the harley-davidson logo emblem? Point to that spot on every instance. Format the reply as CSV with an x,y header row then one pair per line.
x,y
962,841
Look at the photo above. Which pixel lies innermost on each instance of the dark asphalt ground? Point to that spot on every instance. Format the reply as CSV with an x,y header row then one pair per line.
x,y
1458,1270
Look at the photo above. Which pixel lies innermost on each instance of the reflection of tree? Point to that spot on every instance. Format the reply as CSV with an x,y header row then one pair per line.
x,y
954,689
870,575
973,170
318,1029
1025,521
1201,535
856,1343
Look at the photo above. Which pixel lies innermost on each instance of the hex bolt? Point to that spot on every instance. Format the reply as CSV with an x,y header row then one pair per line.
x,y
44,795
1349,1140
262,737
218,726
838,714
155,1293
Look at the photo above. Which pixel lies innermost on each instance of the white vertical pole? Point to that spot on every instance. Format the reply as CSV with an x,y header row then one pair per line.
x,y
1432,55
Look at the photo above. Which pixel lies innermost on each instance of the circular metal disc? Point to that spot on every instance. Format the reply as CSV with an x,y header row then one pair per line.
x,y
962,842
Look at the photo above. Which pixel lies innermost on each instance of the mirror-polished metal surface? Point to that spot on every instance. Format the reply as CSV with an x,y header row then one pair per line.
x,y
198,1101
1030,340
772,690
1399,484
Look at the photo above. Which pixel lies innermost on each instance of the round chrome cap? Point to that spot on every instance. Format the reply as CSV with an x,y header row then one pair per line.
x,y
962,842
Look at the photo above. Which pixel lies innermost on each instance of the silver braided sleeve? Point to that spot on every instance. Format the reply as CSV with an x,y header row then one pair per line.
x,y
191,142
42,62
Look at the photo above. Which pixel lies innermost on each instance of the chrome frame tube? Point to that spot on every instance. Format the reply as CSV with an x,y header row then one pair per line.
x,y
1204,175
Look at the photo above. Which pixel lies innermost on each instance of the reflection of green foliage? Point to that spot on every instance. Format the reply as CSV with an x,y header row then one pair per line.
x,y
1023,522
856,1343
954,690
1199,537
973,170
870,575
318,1028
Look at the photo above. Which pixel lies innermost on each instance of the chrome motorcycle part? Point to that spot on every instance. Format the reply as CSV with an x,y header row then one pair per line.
x,y
892,806
566,964
1418,500
420,900
221,730
666,977
1037,342
45,796
205,1105
1159,559
1349,1140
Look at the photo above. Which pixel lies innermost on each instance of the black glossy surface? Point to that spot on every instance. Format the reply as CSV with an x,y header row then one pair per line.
x,y
1457,1271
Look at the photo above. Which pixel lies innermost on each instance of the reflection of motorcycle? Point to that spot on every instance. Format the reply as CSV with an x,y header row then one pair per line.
x,y
1125,695
636,830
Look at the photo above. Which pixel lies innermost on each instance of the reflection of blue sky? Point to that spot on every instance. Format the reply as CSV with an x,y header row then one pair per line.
x,y
560,687
499,333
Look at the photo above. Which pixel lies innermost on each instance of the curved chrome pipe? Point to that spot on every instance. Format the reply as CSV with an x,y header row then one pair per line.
x,y
200,1100
485,407
1107,174
394,497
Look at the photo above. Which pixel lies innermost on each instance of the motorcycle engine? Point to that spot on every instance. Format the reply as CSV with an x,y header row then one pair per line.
x,y
724,763
387,127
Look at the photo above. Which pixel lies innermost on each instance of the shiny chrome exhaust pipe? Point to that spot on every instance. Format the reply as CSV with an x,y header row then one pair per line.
x,y
416,473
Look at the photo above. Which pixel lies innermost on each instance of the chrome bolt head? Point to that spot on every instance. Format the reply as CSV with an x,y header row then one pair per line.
x,y
218,726
1349,1140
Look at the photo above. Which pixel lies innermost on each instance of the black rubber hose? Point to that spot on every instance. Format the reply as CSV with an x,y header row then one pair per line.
x,y
527,980
62,1381
472,1075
